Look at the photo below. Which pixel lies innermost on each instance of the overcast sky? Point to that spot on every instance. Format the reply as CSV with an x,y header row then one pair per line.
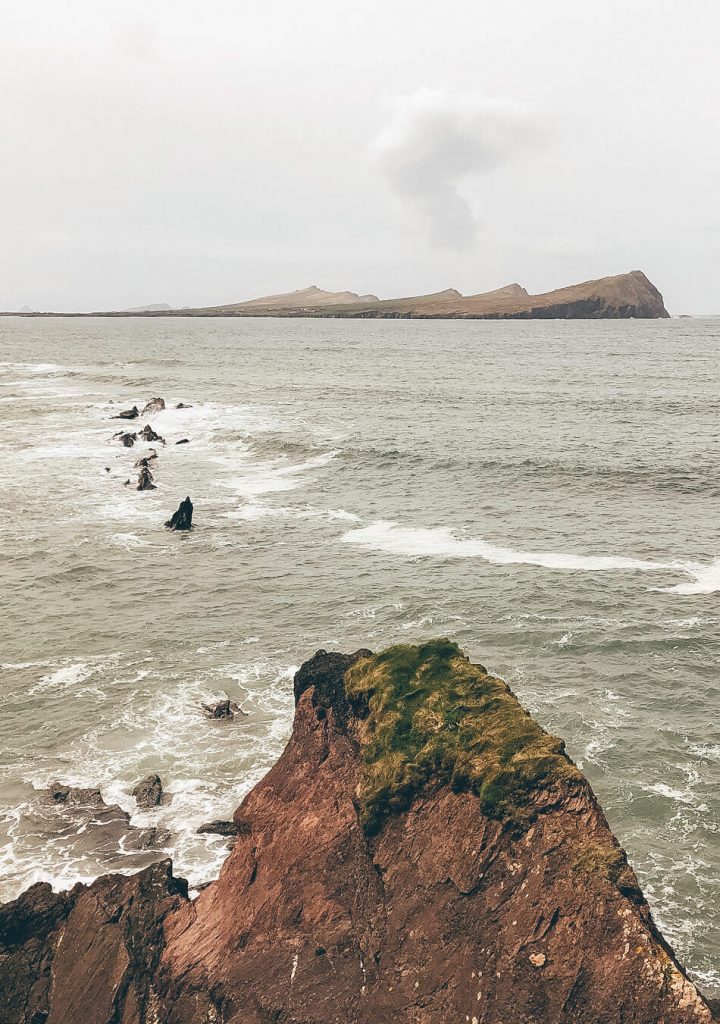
x,y
194,154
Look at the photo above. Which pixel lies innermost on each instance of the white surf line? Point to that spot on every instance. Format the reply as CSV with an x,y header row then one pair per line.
x,y
390,538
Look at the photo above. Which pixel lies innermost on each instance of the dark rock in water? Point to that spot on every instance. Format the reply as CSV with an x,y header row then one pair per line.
x,y
146,460
128,414
218,828
148,434
60,794
181,405
182,519
153,406
224,709
127,440
149,792
145,480
126,484
107,469
183,441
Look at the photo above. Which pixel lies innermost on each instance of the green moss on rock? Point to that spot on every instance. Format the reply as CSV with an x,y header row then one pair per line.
x,y
432,718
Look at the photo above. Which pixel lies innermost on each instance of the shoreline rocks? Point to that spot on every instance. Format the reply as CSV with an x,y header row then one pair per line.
x,y
148,434
421,852
145,480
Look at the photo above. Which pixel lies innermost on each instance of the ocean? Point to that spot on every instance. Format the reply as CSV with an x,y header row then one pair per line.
x,y
544,493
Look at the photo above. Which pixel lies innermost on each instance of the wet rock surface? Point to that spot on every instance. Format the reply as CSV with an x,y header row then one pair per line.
x,y
489,889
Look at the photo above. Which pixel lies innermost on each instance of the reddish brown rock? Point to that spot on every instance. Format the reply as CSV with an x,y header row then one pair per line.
x,y
367,887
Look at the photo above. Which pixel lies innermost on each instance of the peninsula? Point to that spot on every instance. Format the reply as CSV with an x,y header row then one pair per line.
x,y
622,297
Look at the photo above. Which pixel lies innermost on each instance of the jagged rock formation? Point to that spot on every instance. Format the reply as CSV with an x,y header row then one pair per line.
x,y
423,852
181,519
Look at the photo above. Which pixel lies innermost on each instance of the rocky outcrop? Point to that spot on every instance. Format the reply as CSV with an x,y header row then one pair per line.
x,y
145,480
153,406
422,852
182,518
149,792
148,434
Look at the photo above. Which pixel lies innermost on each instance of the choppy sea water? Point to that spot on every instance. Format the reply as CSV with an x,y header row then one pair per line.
x,y
546,494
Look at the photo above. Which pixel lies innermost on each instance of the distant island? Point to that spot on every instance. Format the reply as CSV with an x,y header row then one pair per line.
x,y
622,297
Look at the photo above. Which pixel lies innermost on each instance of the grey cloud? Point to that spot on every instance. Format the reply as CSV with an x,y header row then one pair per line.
x,y
435,142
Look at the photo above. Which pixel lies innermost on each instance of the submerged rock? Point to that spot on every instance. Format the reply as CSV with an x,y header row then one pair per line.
x,y
223,709
184,440
145,480
182,519
153,406
422,852
128,414
181,405
149,792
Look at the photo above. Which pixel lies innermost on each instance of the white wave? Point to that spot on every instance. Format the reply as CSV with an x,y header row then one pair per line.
x,y
393,539
129,541
253,511
672,794
707,580
271,477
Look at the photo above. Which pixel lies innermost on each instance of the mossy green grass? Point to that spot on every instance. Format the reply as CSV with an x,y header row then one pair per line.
x,y
431,718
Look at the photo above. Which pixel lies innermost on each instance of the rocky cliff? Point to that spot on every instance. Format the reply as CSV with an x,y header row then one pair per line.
x,y
421,852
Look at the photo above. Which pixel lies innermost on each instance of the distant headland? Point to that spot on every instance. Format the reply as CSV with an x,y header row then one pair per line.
x,y
622,297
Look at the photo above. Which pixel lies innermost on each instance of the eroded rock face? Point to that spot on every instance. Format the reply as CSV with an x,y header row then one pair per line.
x,y
421,853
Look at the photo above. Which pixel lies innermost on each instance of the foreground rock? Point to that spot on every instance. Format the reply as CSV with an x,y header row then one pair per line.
x,y
153,406
422,853
182,519
149,792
